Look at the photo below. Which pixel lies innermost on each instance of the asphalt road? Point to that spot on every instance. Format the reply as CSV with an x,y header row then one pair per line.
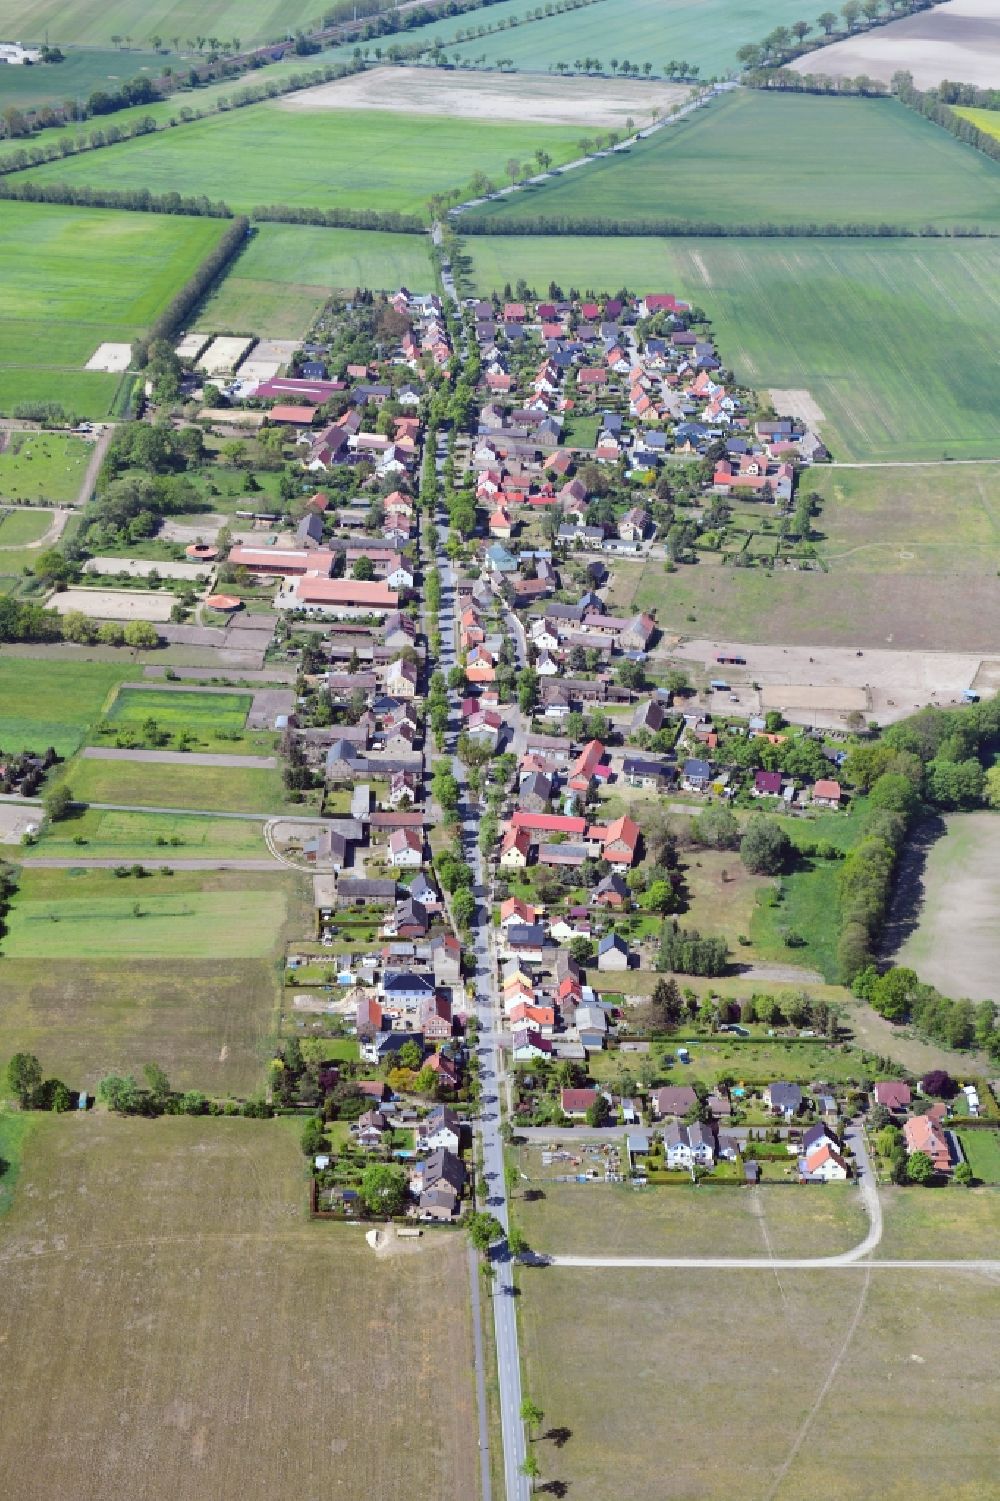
x,y
487,1008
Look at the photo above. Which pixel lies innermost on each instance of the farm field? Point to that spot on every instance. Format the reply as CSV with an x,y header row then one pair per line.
x,y
207,717
77,76
72,278
857,161
93,914
45,702
287,272
220,789
987,120
893,339
828,1380
146,836
960,39
326,159
41,466
94,25
220,1266
955,944
703,32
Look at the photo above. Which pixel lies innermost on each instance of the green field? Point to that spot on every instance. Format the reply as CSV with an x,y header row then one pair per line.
x,y
94,24
856,161
181,710
42,466
894,340
90,914
151,837
21,527
703,32
221,789
72,278
986,120
77,76
151,1265
287,272
45,702
335,159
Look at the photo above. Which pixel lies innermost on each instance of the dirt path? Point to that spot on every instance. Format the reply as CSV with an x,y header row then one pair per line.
x,y
89,480
193,864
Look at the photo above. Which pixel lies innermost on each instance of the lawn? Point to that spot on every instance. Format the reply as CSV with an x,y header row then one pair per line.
x,y
220,789
856,161
893,339
763,1385
702,32
287,272
72,278
94,25
90,834
982,1152
359,159
753,1061
175,1253
94,914
45,702
42,466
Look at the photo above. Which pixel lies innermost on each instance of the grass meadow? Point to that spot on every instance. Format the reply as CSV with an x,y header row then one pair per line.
x,y
45,702
287,272
954,943
76,77
170,1297
92,24
324,159
41,466
986,120
147,836
856,161
982,1152
71,278
184,709
894,339
139,784
703,32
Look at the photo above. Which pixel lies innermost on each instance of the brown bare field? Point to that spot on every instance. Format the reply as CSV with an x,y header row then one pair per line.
x,y
676,1385
174,1327
958,40
493,96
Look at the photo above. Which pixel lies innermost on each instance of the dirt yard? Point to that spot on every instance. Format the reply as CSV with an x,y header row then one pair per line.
x,y
113,604
798,403
493,96
956,943
17,819
166,1307
960,39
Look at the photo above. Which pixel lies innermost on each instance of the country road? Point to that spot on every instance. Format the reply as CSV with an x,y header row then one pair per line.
x,y
180,758
89,480
153,860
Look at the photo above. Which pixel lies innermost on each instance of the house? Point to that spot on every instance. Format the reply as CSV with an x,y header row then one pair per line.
x,y
528,1044
893,1094
586,767
696,775
826,794
576,1102
437,1182
406,849
767,784
515,849
514,911
783,1099
527,1014
688,1146
535,792
824,1164
612,894
816,1135
369,1018
441,1130
411,920
923,1134
528,941
446,956
388,1043
370,1129
405,990
435,1018
592,1027
619,841
673,1099
613,953
447,1070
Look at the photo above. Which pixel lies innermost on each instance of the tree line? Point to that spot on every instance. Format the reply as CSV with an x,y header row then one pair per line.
x,y
198,284
901,997
339,218
935,105
599,225
139,200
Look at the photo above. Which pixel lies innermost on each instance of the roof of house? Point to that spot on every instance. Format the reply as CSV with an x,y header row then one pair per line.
x,y
674,1099
894,1094
575,1101
346,592
826,788
784,1096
